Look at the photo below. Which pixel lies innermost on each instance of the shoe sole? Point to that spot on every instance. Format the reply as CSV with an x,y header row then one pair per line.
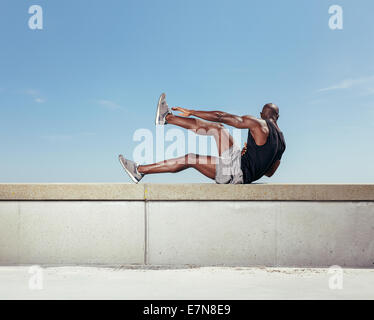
x,y
158,109
127,171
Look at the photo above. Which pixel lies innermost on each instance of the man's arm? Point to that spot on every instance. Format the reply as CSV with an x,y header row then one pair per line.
x,y
240,122
273,168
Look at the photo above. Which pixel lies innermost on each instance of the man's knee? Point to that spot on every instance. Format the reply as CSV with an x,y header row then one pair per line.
x,y
216,126
220,126
191,159
190,156
213,129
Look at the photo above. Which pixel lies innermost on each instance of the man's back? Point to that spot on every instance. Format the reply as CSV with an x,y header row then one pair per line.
x,y
259,159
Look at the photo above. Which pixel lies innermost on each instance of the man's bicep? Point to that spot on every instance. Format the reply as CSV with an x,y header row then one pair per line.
x,y
250,122
243,122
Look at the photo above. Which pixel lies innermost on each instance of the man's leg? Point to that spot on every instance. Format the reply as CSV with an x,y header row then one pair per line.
x,y
221,135
204,164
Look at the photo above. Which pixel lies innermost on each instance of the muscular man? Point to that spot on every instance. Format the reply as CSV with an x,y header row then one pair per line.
x,y
260,156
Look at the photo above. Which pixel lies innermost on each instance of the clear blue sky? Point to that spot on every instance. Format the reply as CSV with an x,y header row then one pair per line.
x,y
72,94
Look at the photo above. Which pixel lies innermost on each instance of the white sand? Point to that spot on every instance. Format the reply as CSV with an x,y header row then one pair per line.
x,y
189,283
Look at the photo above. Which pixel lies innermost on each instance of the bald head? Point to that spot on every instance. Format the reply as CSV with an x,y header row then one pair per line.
x,y
270,111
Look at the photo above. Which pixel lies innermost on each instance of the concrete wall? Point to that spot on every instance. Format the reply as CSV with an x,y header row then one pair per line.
x,y
292,225
71,232
262,233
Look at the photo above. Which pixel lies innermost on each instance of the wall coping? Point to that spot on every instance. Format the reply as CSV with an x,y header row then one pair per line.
x,y
187,192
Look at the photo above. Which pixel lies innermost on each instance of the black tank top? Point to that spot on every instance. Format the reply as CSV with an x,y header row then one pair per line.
x,y
259,159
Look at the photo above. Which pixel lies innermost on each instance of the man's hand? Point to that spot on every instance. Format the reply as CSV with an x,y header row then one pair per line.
x,y
244,150
183,111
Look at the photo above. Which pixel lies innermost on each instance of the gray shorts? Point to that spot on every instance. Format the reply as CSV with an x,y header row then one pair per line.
x,y
228,169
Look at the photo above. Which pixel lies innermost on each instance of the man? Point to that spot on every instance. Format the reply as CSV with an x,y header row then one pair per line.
x,y
260,156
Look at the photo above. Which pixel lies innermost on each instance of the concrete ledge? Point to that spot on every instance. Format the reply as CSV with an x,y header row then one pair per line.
x,y
155,224
192,192
71,191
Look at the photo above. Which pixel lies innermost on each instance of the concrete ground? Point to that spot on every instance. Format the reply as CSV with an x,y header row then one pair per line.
x,y
184,283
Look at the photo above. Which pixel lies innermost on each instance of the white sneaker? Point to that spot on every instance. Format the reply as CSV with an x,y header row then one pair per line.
x,y
131,168
162,110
